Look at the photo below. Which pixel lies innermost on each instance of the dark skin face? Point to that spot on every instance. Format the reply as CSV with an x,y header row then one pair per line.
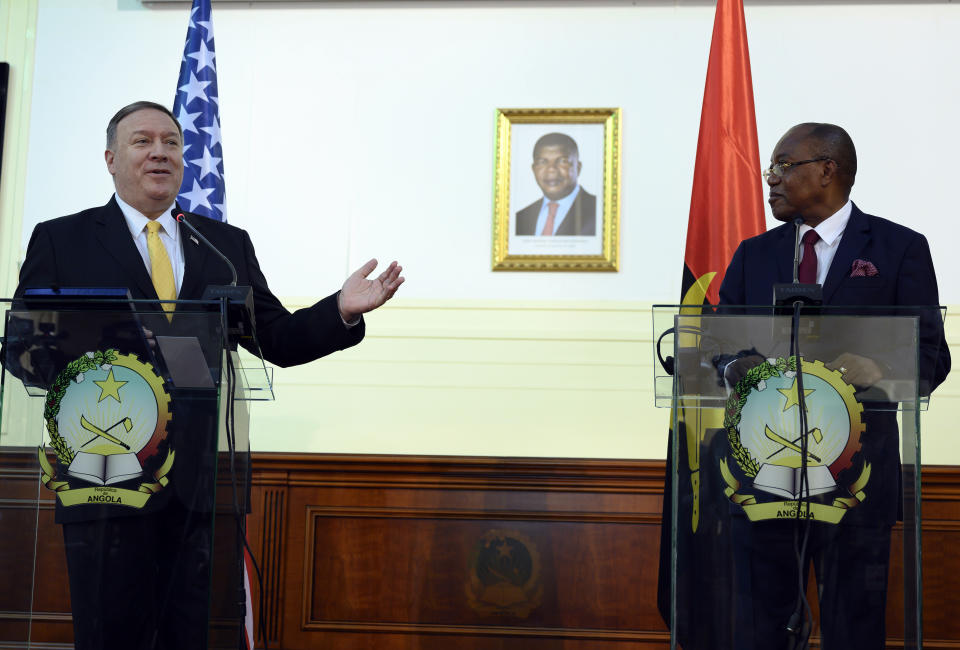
x,y
556,171
813,190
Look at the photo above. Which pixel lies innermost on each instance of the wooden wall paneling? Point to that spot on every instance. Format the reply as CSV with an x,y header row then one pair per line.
x,y
941,559
399,549
32,559
380,551
267,528
18,491
399,552
272,558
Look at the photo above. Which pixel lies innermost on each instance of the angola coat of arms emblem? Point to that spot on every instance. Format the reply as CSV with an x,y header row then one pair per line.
x,y
107,415
767,446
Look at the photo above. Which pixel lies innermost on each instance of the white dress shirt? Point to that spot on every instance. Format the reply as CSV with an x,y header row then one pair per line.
x,y
830,231
563,208
169,235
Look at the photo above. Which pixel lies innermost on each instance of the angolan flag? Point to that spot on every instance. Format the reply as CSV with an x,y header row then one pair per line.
x,y
726,206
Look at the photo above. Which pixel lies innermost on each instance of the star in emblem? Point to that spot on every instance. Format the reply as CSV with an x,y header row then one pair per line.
x,y
109,387
792,394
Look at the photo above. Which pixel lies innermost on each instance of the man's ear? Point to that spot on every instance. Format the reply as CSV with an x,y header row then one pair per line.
x,y
108,157
830,170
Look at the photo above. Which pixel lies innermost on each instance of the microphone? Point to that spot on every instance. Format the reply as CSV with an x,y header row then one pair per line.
x,y
233,270
806,293
797,222
239,300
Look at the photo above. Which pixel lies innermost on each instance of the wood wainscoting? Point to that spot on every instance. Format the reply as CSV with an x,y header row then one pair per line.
x,y
452,553
401,552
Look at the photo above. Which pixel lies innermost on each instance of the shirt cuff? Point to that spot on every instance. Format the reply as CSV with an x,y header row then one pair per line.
x,y
349,324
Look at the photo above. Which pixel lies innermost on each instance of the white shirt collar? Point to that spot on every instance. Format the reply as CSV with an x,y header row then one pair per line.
x,y
831,228
136,221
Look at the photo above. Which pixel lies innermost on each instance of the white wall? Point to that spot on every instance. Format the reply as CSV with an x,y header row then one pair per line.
x,y
366,129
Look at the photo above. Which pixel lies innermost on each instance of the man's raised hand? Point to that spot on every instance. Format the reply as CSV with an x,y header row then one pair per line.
x,y
360,295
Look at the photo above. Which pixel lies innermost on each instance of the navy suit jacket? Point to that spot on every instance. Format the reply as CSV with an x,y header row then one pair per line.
x,y
905,278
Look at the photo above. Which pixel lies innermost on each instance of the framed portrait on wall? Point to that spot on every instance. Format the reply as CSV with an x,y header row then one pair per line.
x,y
556,204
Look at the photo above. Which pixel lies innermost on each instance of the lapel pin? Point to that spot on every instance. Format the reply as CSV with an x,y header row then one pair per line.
x,y
194,240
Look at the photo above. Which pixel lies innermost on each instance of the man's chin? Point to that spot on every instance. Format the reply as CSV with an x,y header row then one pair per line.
x,y
162,198
559,194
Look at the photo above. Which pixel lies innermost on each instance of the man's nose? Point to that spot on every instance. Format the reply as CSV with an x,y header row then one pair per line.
x,y
773,179
158,151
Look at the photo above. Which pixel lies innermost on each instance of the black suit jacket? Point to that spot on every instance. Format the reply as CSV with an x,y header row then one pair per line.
x,y
94,248
581,219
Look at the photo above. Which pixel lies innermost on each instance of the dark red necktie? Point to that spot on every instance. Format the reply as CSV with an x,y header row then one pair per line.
x,y
807,272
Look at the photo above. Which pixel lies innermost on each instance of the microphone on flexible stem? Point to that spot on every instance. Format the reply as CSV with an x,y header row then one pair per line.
x,y
233,270
797,222
805,293
239,299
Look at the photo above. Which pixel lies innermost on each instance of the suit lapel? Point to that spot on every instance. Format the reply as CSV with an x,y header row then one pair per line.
x,y
114,235
195,257
855,238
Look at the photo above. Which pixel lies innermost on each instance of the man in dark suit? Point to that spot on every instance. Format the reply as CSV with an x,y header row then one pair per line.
x,y
566,208
861,260
139,578
97,248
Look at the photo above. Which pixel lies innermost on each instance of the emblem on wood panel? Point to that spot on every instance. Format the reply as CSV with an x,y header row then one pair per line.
x,y
504,575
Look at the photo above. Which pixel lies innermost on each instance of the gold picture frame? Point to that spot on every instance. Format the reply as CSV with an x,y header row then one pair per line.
x,y
589,222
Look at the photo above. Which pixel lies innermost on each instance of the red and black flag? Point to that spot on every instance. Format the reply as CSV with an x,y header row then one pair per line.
x,y
726,206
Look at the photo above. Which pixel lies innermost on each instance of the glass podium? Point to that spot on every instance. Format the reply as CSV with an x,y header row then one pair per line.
x,y
124,455
795,450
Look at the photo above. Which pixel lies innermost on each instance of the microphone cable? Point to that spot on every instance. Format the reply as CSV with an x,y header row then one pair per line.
x,y
240,518
799,624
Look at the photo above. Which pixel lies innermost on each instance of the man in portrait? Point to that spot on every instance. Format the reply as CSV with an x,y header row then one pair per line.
x,y
565,208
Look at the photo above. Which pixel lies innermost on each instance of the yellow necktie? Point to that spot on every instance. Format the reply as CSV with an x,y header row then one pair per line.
x,y
161,271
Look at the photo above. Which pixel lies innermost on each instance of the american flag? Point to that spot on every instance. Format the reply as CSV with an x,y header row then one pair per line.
x,y
203,191
196,106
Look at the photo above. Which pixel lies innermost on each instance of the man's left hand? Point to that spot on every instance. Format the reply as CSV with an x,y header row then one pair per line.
x,y
857,370
360,295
